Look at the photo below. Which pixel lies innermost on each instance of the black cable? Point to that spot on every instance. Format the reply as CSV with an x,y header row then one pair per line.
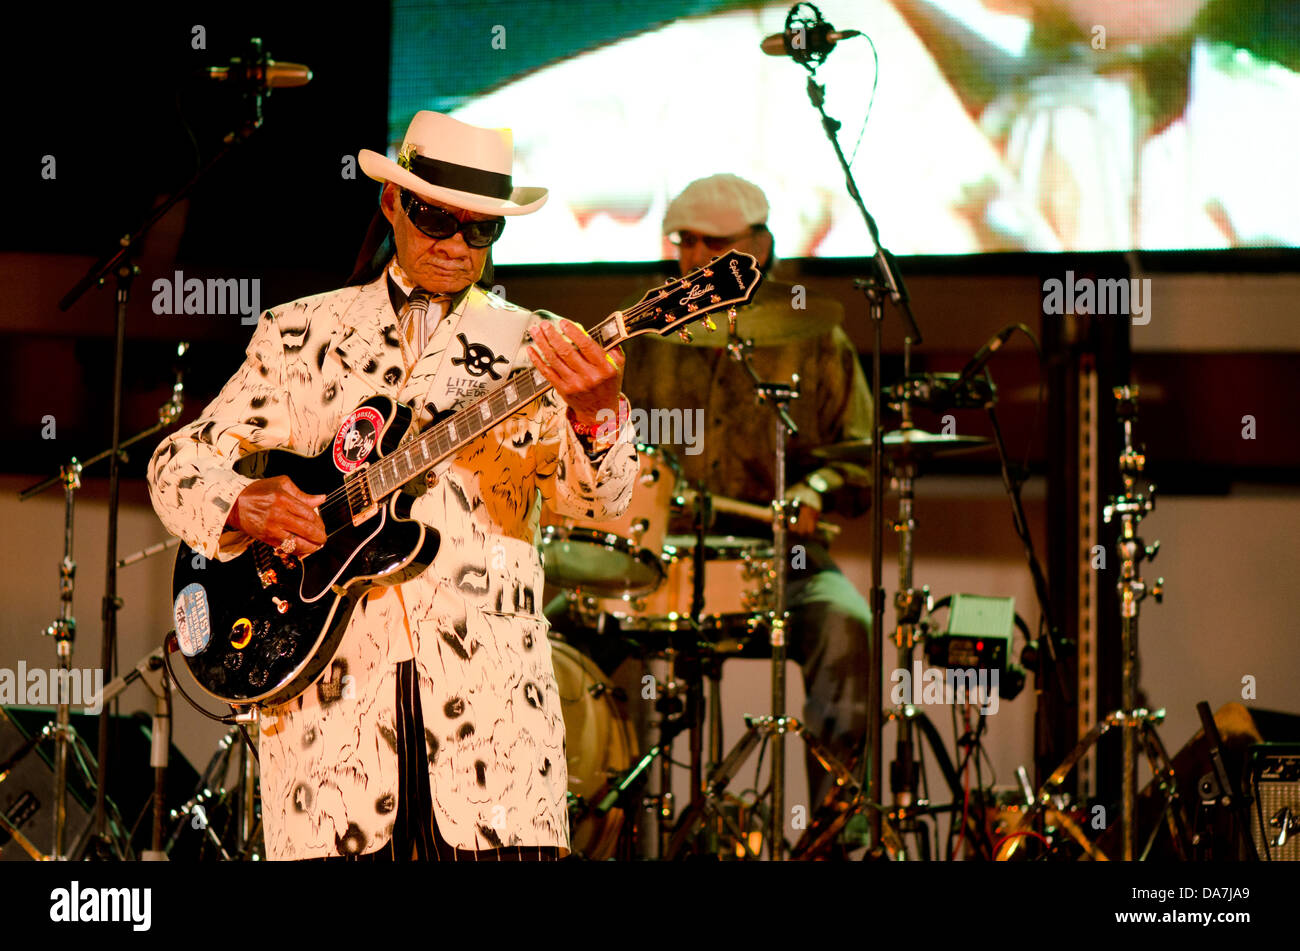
x,y
228,719
953,820
252,750
870,102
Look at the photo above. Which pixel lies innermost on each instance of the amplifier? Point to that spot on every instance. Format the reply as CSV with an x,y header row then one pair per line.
x,y
1274,775
27,795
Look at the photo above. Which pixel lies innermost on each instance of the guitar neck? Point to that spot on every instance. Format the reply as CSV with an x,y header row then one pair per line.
x,y
447,437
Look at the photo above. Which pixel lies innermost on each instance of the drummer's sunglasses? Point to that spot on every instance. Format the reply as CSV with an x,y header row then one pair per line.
x,y
438,223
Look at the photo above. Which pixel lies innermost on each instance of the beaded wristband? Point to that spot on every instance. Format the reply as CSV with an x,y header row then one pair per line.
x,y
593,431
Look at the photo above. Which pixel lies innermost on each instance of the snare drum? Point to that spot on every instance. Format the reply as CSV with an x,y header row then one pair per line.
x,y
621,556
599,745
739,588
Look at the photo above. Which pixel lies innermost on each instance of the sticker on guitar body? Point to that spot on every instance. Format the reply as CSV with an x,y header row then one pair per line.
x,y
193,620
356,437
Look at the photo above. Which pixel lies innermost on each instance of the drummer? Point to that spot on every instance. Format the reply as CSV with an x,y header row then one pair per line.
x,y
794,332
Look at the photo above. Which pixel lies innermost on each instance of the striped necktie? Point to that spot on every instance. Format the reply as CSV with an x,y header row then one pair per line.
x,y
413,320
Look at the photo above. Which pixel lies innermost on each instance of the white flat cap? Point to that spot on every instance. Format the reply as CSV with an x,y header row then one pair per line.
x,y
718,205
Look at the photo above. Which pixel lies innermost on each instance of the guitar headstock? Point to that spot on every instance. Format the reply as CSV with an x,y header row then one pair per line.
x,y
726,281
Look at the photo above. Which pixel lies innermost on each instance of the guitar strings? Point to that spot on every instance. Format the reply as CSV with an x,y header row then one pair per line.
x,y
336,502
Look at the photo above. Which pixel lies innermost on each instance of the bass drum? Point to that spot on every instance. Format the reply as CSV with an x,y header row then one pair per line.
x,y
599,743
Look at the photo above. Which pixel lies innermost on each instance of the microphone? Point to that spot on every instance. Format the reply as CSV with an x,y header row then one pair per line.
x,y
270,74
800,42
983,356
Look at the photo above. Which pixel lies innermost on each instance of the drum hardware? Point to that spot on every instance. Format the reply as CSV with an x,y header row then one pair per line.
x,y
906,448
64,627
1138,724
218,813
706,797
940,392
758,513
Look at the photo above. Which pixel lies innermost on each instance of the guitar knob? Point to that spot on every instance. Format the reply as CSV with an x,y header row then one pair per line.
x,y
685,335
241,632
281,605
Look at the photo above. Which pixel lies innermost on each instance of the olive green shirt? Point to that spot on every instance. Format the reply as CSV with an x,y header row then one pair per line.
x,y
735,453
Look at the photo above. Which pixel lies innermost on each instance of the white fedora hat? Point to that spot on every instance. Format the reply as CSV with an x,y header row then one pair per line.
x,y
446,160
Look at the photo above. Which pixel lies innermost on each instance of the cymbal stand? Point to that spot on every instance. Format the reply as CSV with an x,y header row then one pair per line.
x,y
777,396
64,627
1130,508
908,606
1138,724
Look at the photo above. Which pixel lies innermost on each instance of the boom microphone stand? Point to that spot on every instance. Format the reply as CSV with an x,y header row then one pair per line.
x,y
254,84
885,281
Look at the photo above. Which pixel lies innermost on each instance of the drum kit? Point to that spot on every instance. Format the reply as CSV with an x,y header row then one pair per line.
x,y
690,601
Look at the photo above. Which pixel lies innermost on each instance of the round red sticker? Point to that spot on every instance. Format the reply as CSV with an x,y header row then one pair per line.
x,y
356,437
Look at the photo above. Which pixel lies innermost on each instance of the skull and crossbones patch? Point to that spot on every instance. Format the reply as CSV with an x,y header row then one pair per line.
x,y
477,359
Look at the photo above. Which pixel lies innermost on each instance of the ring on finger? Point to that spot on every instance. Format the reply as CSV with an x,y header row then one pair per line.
x,y
288,546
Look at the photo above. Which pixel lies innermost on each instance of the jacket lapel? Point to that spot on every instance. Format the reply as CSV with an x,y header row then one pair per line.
x,y
366,341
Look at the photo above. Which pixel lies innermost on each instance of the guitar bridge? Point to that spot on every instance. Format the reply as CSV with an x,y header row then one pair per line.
x,y
361,503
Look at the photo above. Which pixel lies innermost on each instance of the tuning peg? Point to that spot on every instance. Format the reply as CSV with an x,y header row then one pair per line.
x,y
685,335
708,322
1152,550
1158,590
731,321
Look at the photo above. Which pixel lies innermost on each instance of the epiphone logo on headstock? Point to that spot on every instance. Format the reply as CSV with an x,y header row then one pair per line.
x,y
735,271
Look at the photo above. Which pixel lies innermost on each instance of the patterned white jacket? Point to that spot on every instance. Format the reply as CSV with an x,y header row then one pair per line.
x,y
472,622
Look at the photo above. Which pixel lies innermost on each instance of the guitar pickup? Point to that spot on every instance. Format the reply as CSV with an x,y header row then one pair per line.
x,y
361,503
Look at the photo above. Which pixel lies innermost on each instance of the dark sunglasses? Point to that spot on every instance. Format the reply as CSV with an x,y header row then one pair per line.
x,y
438,223
689,239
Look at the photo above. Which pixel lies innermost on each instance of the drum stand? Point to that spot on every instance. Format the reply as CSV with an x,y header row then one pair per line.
x,y
64,628
688,664
706,797
909,605
1138,724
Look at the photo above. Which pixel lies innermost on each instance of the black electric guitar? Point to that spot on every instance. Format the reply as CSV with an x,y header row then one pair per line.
x,y
262,627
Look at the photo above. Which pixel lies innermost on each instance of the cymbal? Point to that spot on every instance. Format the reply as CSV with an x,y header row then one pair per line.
x,y
913,444
771,320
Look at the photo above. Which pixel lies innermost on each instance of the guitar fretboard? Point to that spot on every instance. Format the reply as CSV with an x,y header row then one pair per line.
x,y
450,435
